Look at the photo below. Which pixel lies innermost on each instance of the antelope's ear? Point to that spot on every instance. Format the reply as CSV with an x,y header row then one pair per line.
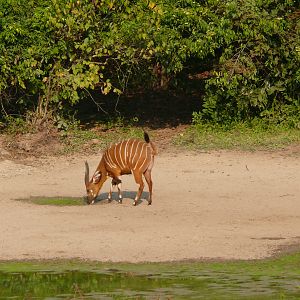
x,y
96,177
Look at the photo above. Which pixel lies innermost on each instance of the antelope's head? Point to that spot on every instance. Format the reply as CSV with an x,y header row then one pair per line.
x,y
94,185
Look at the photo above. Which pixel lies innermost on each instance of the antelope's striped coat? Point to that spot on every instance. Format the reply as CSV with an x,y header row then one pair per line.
x,y
128,156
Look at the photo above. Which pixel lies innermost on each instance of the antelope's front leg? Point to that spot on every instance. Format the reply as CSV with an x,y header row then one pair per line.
x,y
110,191
118,183
119,186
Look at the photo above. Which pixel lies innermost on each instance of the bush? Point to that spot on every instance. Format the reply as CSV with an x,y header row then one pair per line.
x,y
257,72
243,56
52,53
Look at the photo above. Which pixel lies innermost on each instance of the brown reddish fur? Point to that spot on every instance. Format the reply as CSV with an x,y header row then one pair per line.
x,y
130,156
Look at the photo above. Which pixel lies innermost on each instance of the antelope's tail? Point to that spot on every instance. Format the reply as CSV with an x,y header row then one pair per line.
x,y
153,146
146,137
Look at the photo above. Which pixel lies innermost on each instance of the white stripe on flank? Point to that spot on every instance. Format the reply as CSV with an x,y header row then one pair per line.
x,y
110,163
139,156
146,157
120,154
125,154
130,155
115,152
108,156
136,148
106,160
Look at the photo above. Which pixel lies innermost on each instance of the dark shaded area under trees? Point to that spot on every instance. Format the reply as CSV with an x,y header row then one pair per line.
x,y
159,61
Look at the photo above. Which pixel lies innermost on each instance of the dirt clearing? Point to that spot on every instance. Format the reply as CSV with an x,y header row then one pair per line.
x,y
219,205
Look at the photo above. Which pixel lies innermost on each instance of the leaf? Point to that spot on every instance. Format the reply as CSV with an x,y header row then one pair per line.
x,y
151,5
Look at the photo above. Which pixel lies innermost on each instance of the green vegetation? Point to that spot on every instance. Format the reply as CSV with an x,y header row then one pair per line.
x,y
241,58
268,279
57,201
102,136
238,136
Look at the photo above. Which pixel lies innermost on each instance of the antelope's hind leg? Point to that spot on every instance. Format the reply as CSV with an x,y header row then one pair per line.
x,y
148,178
139,180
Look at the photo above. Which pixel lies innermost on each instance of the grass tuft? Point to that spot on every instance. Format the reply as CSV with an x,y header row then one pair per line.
x,y
240,136
56,201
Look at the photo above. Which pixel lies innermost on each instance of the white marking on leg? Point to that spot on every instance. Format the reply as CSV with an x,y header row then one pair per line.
x,y
120,195
135,200
110,191
119,190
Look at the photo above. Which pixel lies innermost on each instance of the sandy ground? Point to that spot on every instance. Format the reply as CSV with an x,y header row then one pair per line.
x,y
225,205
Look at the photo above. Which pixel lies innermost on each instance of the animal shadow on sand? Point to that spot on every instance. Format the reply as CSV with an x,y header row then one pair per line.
x,y
103,198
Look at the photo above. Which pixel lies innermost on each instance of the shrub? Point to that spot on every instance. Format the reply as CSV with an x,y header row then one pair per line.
x,y
244,54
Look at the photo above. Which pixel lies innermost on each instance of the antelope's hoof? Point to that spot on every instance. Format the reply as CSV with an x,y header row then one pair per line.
x,y
149,202
120,201
134,203
109,200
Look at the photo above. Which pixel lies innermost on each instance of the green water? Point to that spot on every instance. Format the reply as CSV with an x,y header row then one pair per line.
x,y
273,279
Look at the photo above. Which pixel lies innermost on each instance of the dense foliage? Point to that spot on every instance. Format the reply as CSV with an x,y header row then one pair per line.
x,y
242,57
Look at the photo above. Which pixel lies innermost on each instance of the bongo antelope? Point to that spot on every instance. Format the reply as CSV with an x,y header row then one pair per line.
x,y
131,156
